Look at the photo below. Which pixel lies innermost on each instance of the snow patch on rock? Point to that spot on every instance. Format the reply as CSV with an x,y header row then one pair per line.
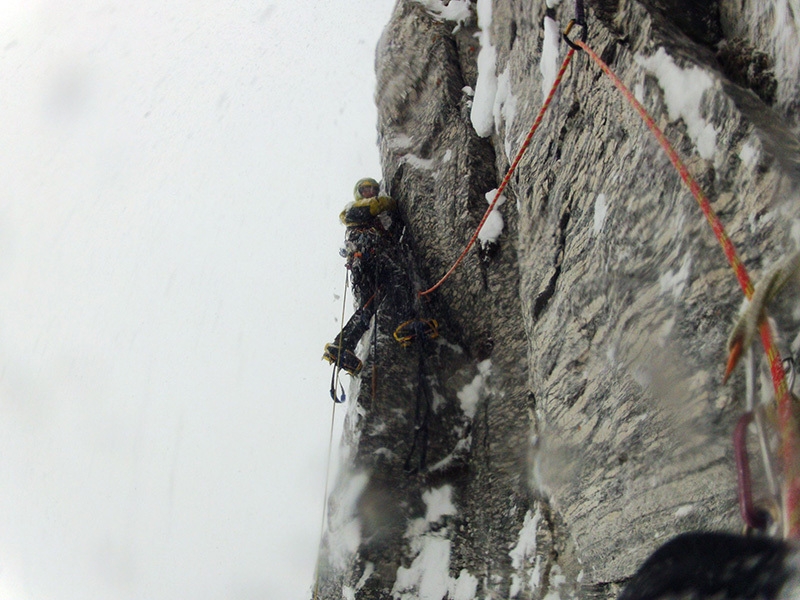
x,y
600,211
400,142
493,227
683,92
548,63
439,503
482,113
475,391
675,283
428,576
748,154
425,164
523,557
349,593
662,335
344,535
505,110
465,587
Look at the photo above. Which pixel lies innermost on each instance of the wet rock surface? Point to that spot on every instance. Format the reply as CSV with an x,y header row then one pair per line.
x,y
573,405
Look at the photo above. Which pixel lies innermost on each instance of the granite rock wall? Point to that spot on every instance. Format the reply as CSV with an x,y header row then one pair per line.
x,y
572,408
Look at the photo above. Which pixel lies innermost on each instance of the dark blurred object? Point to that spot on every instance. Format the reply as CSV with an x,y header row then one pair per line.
x,y
722,566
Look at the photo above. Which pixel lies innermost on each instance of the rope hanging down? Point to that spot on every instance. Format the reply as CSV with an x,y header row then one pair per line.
x,y
337,367
510,172
790,441
324,502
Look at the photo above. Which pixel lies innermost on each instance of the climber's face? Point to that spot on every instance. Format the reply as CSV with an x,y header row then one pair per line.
x,y
368,190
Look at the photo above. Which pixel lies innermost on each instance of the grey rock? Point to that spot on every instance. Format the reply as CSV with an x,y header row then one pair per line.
x,y
601,427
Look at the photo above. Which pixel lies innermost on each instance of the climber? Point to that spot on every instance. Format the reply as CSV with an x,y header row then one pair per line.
x,y
370,230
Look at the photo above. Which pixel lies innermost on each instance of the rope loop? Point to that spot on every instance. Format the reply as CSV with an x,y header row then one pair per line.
x,y
582,37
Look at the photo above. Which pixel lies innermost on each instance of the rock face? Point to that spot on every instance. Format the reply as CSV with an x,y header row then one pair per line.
x,y
572,414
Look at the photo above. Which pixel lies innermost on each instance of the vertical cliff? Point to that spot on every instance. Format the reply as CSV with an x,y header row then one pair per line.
x,y
572,411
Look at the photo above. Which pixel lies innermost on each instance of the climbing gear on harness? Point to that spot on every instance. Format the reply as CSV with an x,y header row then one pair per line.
x,y
409,330
347,360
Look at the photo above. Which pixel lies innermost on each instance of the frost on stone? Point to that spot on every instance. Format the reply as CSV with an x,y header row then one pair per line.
x,y
439,503
482,113
663,332
524,561
385,452
683,92
748,154
505,110
465,587
424,164
429,574
400,142
461,448
472,393
493,227
455,10
674,283
600,211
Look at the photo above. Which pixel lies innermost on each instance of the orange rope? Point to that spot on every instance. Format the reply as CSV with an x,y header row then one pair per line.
x,y
790,443
510,172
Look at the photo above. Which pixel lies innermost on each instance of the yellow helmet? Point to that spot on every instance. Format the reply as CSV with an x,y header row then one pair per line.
x,y
361,184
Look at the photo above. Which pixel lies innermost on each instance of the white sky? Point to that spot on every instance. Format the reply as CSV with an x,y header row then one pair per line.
x,y
171,174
